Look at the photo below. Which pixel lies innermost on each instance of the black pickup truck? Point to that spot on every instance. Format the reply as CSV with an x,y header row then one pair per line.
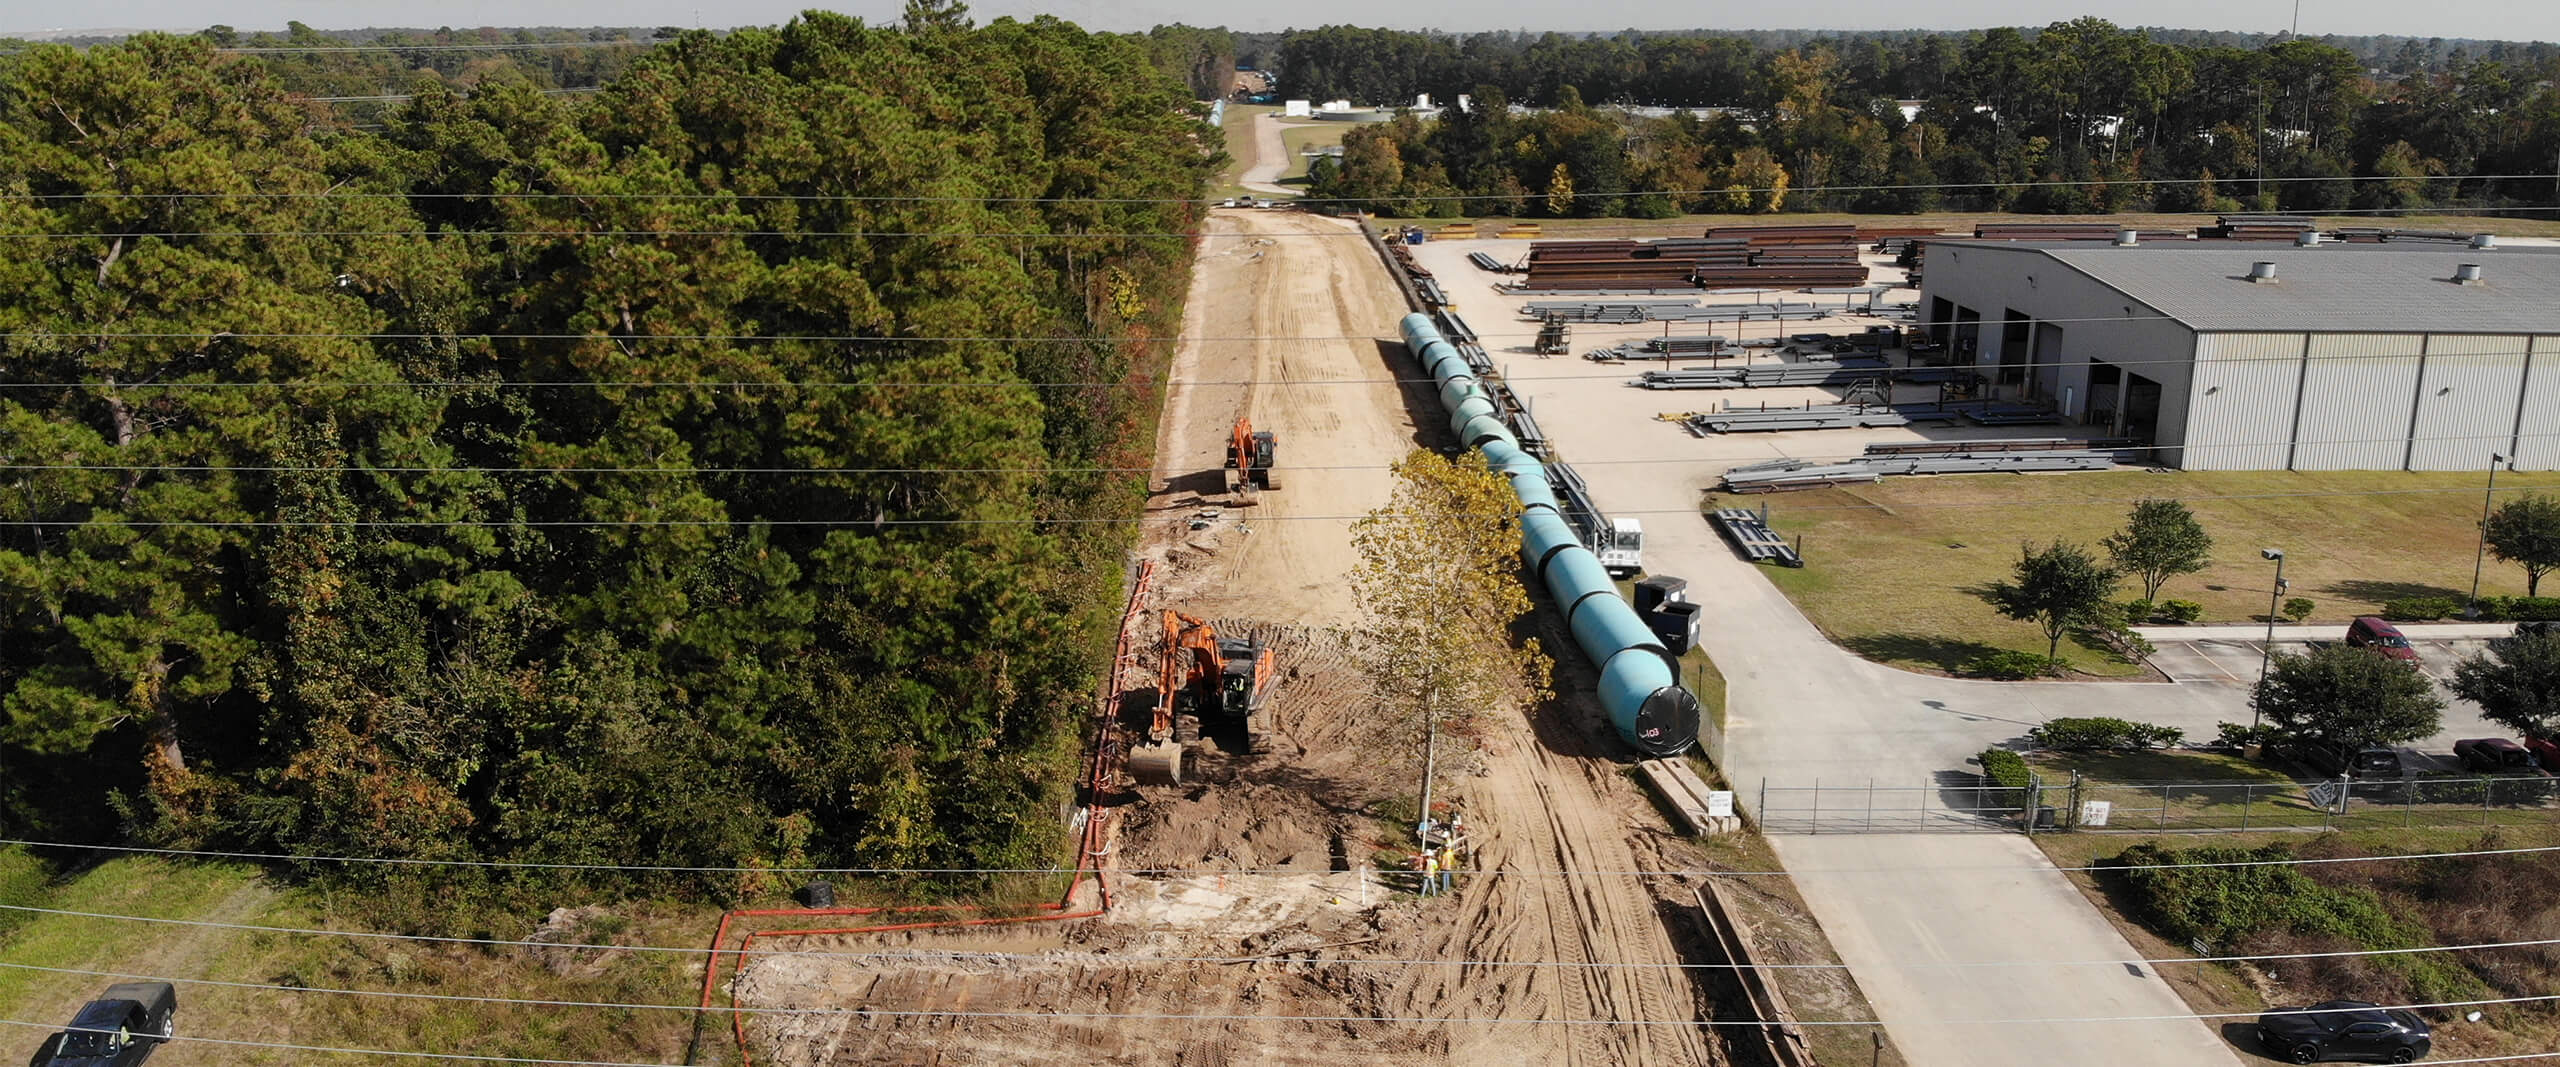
x,y
119,1029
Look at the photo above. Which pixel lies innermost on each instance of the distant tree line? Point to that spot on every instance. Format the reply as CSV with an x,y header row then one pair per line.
x,y
2147,123
318,535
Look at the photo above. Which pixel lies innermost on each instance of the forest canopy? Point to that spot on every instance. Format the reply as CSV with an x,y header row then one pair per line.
x,y
570,477
2075,117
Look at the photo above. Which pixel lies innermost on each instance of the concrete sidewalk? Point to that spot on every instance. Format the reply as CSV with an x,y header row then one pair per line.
x,y
2416,631
1902,913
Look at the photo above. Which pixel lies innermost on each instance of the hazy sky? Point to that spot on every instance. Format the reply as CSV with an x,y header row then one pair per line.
x,y
2506,19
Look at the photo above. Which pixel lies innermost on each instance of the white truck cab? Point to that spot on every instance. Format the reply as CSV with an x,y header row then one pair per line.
x,y
1621,547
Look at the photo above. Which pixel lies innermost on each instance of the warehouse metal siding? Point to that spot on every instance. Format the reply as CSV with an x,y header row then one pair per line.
x,y
2356,394
2467,400
2536,447
2241,406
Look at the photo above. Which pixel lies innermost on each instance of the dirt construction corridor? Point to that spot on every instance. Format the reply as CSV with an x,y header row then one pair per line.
x,y
1248,926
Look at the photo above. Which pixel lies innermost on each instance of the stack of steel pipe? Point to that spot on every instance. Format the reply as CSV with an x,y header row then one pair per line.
x,y
1639,685
2046,231
2258,227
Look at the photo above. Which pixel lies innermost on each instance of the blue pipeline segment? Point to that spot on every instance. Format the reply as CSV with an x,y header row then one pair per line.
x,y
1639,682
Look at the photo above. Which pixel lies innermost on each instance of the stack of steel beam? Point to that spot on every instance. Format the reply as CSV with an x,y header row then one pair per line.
x,y
2046,231
1752,537
1767,255
1485,262
2258,227
1785,475
1772,375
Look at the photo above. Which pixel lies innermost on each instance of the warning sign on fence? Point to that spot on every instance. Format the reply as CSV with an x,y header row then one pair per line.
x,y
2094,812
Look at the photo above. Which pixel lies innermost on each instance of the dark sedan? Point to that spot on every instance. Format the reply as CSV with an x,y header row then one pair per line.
x,y
2343,1030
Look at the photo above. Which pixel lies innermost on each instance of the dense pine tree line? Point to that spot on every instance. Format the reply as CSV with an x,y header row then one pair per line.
x,y
315,539
2171,126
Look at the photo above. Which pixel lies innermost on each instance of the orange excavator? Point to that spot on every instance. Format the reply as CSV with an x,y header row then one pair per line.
x,y
1203,675
1250,456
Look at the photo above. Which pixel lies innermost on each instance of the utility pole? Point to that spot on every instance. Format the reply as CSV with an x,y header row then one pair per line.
x,y
2297,20
2266,650
2471,606
1430,757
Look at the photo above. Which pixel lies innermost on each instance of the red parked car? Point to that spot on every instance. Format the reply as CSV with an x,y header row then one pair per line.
x,y
2373,633
2495,755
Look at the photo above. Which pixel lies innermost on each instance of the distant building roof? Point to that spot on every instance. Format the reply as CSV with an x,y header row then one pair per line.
x,y
2362,288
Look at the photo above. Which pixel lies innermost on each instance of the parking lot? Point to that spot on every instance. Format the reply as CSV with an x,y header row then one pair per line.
x,y
2221,658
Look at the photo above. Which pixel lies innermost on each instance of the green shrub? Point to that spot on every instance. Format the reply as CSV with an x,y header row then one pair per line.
x,y
2012,665
2520,608
2420,607
2138,611
2298,609
2009,771
2090,734
2231,905
2234,735
2181,610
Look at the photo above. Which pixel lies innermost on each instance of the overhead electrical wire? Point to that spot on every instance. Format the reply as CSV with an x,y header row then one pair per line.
x,y
1171,383
1297,956
532,469
1127,519
1801,190
945,234
1465,1020
1226,871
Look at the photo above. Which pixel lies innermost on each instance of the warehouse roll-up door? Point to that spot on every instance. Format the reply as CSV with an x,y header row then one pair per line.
x,y
2357,389
2467,400
2240,405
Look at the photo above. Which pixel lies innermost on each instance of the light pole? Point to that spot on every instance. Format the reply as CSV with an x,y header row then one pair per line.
x,y
2266,651
2471,607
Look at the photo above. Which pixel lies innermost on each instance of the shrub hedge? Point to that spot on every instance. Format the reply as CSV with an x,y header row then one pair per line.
x,y
2090,734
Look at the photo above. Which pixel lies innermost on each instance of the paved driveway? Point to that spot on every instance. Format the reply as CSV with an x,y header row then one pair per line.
x,y
1897,932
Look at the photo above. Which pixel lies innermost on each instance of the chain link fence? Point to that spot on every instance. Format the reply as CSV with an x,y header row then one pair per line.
x,y
1962,802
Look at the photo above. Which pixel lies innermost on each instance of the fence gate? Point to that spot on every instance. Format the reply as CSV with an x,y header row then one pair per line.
x,y
1953,802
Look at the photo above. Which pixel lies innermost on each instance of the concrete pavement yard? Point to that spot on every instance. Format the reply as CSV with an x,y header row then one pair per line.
x,y
1910,906
1803,710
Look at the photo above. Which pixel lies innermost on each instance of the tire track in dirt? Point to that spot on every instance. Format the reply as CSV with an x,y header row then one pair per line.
x,y
1551,803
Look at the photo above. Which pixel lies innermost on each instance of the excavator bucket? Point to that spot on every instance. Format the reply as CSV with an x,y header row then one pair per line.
x,y
1156,764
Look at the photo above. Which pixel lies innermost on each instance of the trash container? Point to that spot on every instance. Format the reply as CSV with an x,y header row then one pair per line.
x,y
817,895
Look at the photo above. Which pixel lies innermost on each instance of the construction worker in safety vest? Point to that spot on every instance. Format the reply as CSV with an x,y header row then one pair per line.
x,y
1448,867
1430,872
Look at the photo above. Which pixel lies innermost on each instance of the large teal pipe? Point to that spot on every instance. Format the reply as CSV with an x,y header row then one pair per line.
x,y
1639,682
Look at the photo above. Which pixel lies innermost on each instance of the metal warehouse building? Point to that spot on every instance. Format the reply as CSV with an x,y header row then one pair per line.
x,y
2230,356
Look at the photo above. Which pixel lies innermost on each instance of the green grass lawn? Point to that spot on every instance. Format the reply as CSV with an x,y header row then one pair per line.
x,y
2171,790
1238,127
1690,225
1893,570
239,894
1299,136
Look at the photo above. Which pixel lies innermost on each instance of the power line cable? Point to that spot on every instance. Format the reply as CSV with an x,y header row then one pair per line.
x,y
947,234
280,857
1793,190
397,97
1463,1020
188,468
81,333
1289,956
1084,520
